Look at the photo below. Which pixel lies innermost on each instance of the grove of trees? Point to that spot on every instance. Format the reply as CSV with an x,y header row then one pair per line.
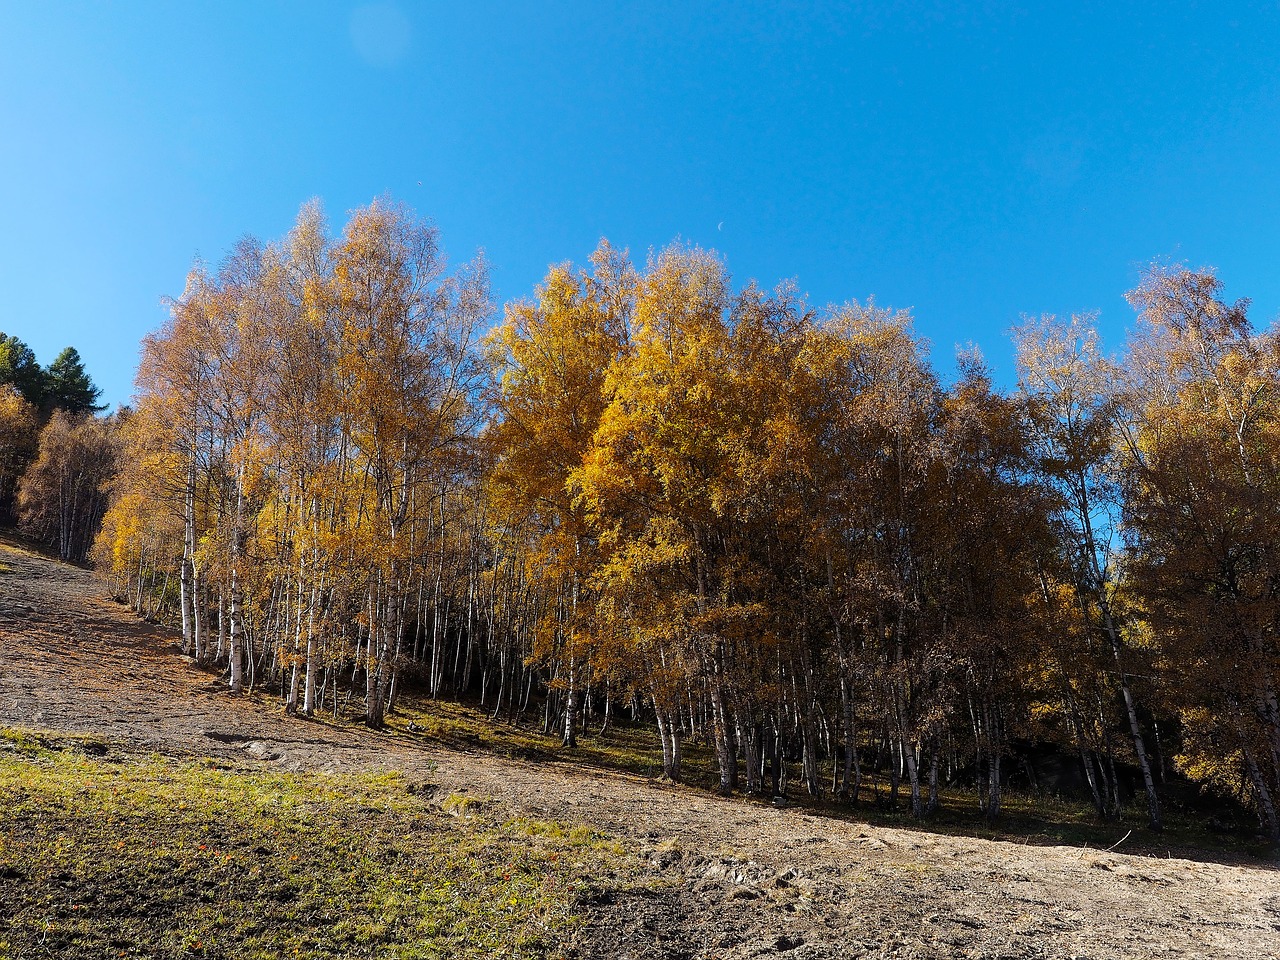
x,y
771,528
56,459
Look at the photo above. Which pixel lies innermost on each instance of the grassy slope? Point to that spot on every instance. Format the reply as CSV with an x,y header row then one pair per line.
x,y
1025,818
103,856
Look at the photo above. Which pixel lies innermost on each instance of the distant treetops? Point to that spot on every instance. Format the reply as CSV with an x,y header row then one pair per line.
x,y
63,385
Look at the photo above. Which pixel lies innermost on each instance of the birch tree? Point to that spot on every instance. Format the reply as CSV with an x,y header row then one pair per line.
x,y
1073,404
1202,488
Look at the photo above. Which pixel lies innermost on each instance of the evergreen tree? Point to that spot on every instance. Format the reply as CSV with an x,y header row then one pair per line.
x,y
18,367
67,386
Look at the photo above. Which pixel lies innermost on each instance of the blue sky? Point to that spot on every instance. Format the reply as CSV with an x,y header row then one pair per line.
x,y
973,163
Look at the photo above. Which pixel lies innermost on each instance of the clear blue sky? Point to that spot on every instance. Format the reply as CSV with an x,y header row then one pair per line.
x,y
972,163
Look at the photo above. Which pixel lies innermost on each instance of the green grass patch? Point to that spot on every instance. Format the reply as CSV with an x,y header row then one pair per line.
x,y
45,743
148,857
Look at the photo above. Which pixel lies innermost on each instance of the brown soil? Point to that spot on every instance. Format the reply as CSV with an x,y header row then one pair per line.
x,y
730,879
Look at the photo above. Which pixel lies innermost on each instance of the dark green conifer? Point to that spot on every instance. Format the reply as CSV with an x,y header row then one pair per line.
x,y
18,367
68,387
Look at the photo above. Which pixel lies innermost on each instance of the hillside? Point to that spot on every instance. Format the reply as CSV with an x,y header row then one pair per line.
x,y
658,871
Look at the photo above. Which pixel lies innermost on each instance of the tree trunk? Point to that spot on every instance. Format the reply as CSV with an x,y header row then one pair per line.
x,y
749,734
186,583
669,735
726,755
235,634
309,685
1139,747
197,617
570,737
1266,803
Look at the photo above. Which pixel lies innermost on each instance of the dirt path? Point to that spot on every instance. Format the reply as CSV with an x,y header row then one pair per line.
x,y
731,879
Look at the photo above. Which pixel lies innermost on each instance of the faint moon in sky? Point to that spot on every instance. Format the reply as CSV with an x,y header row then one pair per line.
x,y
380,33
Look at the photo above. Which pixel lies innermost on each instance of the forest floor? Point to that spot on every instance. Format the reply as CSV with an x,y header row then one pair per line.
x,y
653,870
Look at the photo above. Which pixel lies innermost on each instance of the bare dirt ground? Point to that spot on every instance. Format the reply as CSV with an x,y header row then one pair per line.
x,y
729,879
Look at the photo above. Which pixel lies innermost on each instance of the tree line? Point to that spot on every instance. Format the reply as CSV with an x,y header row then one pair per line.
x,y
769,527
56,458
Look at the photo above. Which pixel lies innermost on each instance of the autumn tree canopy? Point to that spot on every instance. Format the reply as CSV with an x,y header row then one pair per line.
x,y
767,527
